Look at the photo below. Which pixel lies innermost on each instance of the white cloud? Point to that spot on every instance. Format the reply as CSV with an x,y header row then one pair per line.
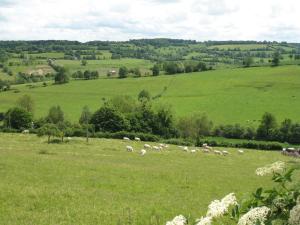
x,y
86,20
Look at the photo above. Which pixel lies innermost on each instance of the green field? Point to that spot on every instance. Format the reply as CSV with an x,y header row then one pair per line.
x,y
101,183
226,96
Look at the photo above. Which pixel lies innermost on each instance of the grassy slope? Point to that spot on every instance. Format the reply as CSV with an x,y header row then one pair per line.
x,y
227,96
100,183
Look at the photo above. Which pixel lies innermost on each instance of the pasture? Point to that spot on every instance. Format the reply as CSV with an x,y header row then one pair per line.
x,y
226,96
101,183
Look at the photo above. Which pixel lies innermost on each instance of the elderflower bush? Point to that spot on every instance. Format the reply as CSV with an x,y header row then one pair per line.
x,y
280,205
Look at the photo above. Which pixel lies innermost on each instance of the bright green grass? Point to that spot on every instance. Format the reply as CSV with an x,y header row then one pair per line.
x,y
101,183
227,96
53,55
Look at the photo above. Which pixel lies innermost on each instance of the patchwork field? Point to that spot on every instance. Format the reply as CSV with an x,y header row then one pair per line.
x,y
226,96
101,183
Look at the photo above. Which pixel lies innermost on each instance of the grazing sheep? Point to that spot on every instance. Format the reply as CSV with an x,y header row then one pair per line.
x,y
204,145
225,152
193,151
126,139
143,152
129,148
25,132
217,152
291,149
206,151
241,151
156,148
185,148
147,146
69,138
166,146
137,139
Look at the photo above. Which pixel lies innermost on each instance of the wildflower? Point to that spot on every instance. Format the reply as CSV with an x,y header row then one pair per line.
x,y
218,208
258,214
178,220
276,167
295,215
204,221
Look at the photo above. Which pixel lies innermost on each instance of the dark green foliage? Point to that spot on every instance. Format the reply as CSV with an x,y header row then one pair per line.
x,y
55,115
17,118
61,76
4,85
144,95
155,70
123,72
108,118
248,61
173,67
276,59
267,128
83,62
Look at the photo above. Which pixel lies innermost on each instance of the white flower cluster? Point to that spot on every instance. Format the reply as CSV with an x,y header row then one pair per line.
x,y
204,221
276,167
178,220
219,208
258,214
295,214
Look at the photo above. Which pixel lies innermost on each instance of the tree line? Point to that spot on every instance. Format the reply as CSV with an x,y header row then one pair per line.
x,y
141,115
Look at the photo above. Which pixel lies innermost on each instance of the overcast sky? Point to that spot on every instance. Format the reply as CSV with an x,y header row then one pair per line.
x,y
86,20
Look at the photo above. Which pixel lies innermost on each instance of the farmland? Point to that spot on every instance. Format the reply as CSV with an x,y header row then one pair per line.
x,y
101,183
226,96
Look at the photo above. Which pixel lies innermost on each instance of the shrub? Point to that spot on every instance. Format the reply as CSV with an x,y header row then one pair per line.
x,y
17,118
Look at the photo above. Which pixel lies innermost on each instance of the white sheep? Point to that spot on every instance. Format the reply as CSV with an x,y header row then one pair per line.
x,y
204,145
129,148
147,146
193,151
217,152
225,152
241,151
137,139
156,148
69,138
185,148
126,139
25,132
206,150
143,152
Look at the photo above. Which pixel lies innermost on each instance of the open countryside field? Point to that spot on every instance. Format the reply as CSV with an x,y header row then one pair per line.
x,y
226,96
101,183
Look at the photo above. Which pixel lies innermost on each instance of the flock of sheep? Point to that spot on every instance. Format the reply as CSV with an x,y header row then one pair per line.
x,y
205,148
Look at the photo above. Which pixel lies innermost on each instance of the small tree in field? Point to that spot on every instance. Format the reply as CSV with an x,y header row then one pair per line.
x,y
55,115
83,62
50,130
155,70
123,71
84,120
276,59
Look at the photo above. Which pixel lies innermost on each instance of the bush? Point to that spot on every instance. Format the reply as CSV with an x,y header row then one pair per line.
x,y
232,143
18,118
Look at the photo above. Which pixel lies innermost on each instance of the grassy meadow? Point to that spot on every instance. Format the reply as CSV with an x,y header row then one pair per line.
x,y
101,183
226,96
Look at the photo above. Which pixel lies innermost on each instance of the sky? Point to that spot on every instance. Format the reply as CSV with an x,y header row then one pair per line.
x,y
120,20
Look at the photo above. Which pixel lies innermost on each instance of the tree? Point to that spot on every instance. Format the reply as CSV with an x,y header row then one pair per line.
x,y
276,58
55,115
87,75
155,70
84,119
144,95
267,128
48,129
83,62
26,102
18,118
61,76
123,71
3,56
108,118
248,61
